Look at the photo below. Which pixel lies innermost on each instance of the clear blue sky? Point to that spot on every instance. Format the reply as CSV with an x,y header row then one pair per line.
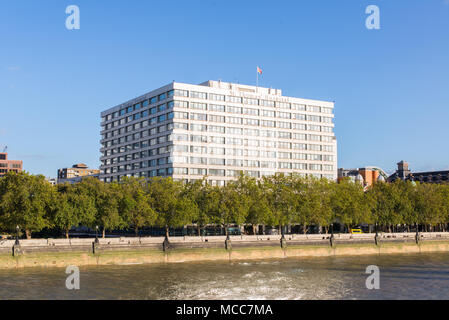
x,y
391,86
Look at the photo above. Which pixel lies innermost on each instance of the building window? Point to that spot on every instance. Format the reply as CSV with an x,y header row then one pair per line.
x,y
217,172
250,101
181,104
198,95
267,103
215,161
180,170
234,109
313,108
181,93
235,99
198,106
198,171
216,97
198,116
216,108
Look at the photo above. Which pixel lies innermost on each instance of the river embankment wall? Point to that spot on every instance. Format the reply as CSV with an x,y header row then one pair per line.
x,y
145,250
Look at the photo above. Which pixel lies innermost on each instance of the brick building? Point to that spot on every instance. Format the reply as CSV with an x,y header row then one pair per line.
x,y
9,165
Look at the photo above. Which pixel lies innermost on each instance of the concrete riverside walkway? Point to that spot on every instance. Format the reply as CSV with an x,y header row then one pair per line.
x,y
74,244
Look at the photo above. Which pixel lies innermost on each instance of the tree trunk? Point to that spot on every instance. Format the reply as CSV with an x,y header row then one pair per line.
x,y
136,229
104,233
167,231
199,230
66,233
326,229
254,229
28,233
304,229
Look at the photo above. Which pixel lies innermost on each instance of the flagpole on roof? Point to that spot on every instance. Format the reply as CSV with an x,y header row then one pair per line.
x,y
258,71
257,79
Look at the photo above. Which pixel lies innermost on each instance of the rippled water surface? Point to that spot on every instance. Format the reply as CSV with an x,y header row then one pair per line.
x,y
423,276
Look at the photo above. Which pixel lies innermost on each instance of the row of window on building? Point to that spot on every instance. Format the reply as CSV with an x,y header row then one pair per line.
x,y
216,161
11,165
216,129
223,162
179,158
215,140
216,97
218,119
203,172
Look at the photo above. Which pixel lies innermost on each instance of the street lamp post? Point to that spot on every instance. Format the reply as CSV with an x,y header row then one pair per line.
x,y
332,235
17,236
376,238
283,240
96,234
228,244
417,234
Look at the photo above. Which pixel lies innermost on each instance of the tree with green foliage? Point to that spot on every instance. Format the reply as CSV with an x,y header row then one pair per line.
x,y
314,202
206,200
25,201
281,199
232,206
430,205
349,204
259,210
172,208
135,203
73,207
404,211
106,198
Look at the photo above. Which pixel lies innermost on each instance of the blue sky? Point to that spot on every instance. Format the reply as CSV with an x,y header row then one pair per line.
x,y
391,86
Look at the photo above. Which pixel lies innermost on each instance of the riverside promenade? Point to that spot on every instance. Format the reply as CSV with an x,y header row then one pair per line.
x,y
142,250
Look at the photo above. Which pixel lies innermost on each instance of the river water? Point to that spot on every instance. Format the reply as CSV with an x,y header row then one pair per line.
x,y
408,276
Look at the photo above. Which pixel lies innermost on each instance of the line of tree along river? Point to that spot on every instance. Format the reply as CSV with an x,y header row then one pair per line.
x,y
32,203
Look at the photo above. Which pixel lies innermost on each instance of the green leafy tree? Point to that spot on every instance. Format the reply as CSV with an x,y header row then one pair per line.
x,y
429,203
172,207
259,210
135,203
232,206
281,199
404,210
204,196
106,198
349,203
315,202
25,201
73,207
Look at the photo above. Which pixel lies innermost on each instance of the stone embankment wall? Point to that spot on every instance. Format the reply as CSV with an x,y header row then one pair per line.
x,y
63,252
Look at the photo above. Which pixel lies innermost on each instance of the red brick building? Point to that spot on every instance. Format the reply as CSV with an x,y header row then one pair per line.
x,y
9,165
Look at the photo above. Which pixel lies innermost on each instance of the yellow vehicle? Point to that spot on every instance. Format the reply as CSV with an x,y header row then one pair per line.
x,y
355,231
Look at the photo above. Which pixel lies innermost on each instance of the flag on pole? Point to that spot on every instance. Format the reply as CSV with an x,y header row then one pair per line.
x,y
259,71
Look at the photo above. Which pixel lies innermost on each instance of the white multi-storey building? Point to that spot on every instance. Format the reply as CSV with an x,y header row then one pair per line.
x,y
217,129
